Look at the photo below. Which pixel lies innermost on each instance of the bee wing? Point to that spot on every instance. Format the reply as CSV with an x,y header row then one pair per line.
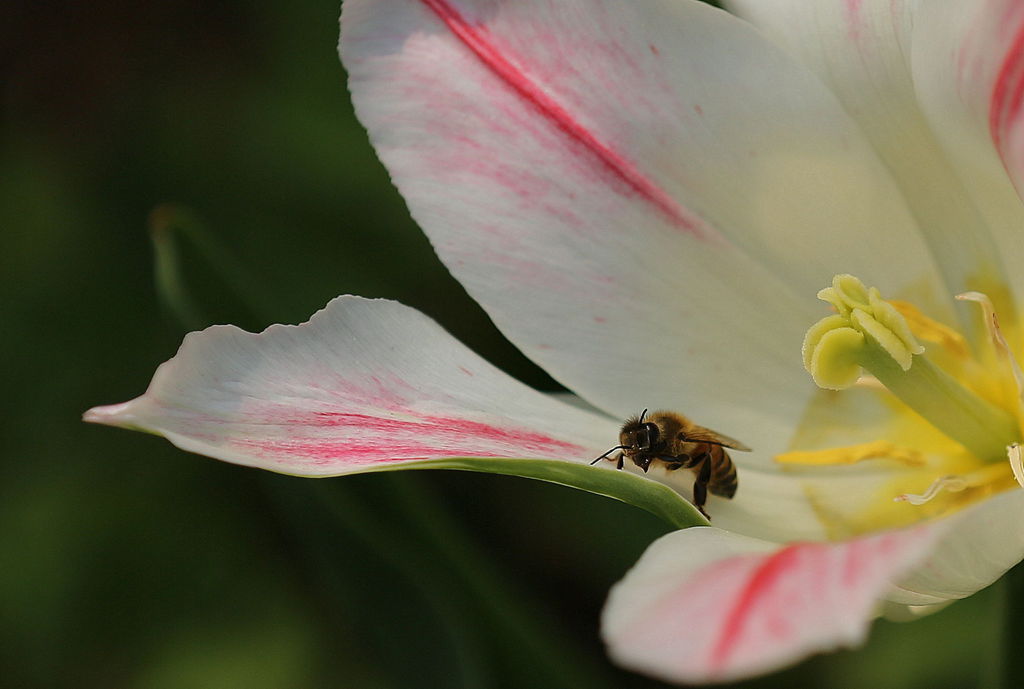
x,y
699,434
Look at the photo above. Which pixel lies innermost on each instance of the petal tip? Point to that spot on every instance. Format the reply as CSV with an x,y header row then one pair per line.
x,y
108,415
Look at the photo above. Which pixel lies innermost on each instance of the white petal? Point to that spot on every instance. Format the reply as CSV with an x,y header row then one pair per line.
x,y
768,504
643,195
705,605
982,543
921,78
364,385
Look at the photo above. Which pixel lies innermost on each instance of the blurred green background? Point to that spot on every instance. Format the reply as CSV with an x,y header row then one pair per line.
x,y
223,130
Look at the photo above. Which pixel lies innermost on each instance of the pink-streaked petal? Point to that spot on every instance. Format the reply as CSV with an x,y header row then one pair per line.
x,y
991,61
364,385
968,67
643,195
704,605
934,87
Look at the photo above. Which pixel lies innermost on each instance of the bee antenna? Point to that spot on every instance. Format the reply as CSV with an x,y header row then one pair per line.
x,y
617,447
642,415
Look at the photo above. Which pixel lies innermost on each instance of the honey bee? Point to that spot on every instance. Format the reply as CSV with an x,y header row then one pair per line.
x,y
673,439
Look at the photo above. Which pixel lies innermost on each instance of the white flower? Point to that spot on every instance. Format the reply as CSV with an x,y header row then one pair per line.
x,y
645,196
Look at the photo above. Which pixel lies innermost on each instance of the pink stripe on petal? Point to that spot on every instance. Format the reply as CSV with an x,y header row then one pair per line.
x,y
476,39
761,583
708,605
363,439
854,19
437,426
345,455
1008,90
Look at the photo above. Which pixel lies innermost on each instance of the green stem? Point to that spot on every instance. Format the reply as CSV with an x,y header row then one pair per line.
x,y
170,283
173,228
979,426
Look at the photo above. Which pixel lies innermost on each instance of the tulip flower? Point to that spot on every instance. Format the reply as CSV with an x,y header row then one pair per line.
x,y
646,197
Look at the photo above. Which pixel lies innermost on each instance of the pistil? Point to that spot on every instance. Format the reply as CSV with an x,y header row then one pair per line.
x,y
869,333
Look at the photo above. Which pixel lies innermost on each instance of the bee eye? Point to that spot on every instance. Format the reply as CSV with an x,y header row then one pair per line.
x,y
651,433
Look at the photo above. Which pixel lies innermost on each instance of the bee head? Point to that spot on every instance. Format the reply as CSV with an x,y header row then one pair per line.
x,y
637,436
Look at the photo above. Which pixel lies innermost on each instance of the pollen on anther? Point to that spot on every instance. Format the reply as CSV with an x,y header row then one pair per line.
x,y
996,335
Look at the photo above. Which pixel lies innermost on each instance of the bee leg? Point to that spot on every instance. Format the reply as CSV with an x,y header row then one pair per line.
x,y
672,463
619,461
700,486
677,462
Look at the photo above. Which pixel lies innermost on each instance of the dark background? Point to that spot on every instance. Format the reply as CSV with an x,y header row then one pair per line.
x,y
166,165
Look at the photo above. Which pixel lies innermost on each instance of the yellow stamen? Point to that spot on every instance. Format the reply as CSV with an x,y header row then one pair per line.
x,y
851,454
996,335
931,330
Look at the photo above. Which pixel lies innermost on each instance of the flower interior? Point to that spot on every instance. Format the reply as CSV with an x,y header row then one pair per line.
x,y
942,410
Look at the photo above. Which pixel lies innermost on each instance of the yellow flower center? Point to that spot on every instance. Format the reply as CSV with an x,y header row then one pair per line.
x,y
937,427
